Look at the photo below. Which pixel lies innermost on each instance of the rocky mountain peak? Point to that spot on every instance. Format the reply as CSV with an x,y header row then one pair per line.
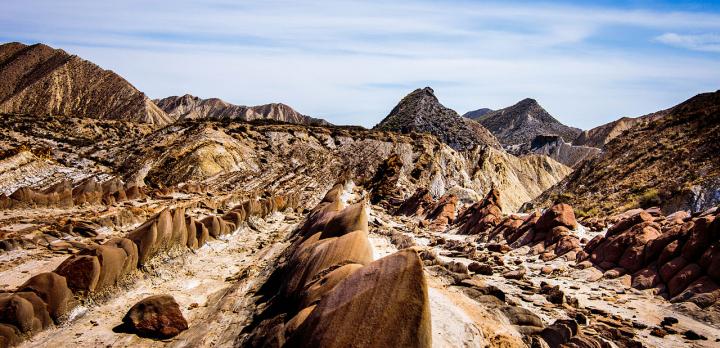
x,y
522,122
421,111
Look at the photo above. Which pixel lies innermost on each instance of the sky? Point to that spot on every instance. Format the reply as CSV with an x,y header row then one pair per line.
x,y
350,62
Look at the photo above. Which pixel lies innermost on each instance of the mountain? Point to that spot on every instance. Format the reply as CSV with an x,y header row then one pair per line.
x,y
522,122
671,162
191,107
477,113
40,80
420,111
601,135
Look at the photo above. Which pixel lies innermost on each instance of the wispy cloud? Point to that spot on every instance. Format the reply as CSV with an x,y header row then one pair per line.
x,y
351,61
702,42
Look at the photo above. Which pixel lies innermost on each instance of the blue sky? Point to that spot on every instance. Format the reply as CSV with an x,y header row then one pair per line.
x,y
350,62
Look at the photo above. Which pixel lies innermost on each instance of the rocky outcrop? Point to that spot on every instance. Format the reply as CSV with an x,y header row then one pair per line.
x,y
64,195
188,107
549,234
325,294
420,111
556,148
633,169
157,316
39,80
678,258
521,123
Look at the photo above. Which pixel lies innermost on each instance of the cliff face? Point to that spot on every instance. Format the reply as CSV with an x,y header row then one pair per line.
x,y
40,80
670,162
420,111
522,122
191,107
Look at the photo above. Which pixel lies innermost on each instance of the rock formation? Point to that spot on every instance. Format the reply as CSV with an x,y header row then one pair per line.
x,y
420,111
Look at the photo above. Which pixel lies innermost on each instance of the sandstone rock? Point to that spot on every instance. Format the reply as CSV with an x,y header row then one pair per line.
x,y
40,310
53,290
479,268
351,314
10,336
81,272
157,316
17,311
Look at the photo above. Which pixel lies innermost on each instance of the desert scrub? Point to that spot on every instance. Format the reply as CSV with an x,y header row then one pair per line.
x,y
650,198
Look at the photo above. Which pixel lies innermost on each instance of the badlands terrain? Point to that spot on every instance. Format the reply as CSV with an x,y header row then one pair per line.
x,y
188,222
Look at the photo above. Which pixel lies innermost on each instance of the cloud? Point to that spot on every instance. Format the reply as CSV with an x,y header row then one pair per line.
x,y
702,42
351,61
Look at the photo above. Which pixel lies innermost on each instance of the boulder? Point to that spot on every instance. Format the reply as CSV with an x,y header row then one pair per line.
x,y
558,215
82,272
113,262
145,238
157,316
53,290
40,309
10,336
131,253
683,278
17,311
351,314
352,218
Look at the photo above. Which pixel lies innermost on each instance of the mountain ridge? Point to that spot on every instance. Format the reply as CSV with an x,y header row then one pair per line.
x,y
192,107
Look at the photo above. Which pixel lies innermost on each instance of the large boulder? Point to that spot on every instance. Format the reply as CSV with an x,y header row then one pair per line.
x,y
157,316
82,272
40,309
145,238
113,263
352,315
131,253
352,218
53,290
558,215
10,336
17,311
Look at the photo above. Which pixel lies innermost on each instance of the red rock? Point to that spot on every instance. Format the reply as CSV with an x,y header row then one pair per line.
x,y
645,278
628,222
558,215
700,238
683,278
82,272
704,292
668,270
156,316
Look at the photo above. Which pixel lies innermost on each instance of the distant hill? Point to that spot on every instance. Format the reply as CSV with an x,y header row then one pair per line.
x,y
522,122
420,111
191,107
477,113
40,80
671,162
